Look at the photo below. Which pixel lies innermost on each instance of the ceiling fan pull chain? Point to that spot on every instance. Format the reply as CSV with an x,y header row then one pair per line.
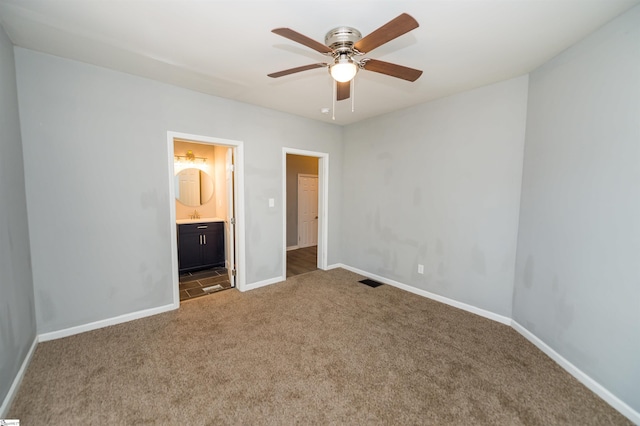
x,y
335,93
353,94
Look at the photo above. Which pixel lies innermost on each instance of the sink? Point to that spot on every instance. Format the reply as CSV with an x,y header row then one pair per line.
x,y
201,220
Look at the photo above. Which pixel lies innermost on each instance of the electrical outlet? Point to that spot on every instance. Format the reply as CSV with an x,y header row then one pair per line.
x,y
421,269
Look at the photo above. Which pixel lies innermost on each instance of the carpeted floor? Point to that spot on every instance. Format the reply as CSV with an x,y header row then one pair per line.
x,y
320,348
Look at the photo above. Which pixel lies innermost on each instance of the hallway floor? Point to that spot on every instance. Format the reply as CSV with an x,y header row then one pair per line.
x,y
301,261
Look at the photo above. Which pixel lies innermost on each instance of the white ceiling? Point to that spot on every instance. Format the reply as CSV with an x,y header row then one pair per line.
x,y
226,48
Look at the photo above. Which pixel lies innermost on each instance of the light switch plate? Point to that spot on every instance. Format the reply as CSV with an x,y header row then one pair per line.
x,y
272,202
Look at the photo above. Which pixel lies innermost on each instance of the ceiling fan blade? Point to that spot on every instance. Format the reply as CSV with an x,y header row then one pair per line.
x,y
394,70
296,69
392,29
344,90
302,39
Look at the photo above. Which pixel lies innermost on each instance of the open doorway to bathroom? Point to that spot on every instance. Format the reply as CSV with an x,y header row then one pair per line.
x,y
205,188
305,241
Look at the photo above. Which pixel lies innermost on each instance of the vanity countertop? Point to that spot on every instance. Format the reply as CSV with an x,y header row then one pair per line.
x,y
200,220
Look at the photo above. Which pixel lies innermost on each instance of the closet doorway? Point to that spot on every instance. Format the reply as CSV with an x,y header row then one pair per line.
x,y
207,215
305,175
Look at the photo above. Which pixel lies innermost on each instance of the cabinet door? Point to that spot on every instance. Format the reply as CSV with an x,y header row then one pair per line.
x,y
189,250
213,250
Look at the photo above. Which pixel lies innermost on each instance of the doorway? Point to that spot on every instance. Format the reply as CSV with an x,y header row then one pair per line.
x,y
207,214
305,178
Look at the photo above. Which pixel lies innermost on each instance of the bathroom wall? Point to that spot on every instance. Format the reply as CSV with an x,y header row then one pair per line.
x,y
115,225
577,281
296,164
17,306
207,209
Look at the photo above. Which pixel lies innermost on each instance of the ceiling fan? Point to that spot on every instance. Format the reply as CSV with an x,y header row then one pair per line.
x,y
344,44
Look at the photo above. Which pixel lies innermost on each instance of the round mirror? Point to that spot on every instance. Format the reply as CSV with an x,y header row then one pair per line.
x,y
193,187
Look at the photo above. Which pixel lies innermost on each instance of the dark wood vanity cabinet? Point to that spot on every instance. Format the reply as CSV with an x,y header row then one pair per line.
x,y
200,245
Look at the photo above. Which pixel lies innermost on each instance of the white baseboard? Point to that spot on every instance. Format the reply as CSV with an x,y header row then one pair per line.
x,y
263,283
105,323
334,266
580,375
13,390
292,248
451,302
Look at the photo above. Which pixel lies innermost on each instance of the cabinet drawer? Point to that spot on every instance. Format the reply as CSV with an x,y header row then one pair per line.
x,y
191,228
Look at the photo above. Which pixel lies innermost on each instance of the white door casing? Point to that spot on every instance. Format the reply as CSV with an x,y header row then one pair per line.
x,y
323,205
237,196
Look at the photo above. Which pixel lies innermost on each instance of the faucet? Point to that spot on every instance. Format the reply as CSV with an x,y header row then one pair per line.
x,y
195,215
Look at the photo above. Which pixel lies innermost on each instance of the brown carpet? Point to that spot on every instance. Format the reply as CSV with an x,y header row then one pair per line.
x,y
320,348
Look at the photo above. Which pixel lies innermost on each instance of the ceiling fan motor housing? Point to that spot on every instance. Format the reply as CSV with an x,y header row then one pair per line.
x,y
342,39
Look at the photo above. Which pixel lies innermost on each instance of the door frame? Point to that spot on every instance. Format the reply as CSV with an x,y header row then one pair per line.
x,y
323,205
238,199
317,193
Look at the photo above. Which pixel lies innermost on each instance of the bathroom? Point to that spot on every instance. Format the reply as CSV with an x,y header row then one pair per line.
x,y
202,182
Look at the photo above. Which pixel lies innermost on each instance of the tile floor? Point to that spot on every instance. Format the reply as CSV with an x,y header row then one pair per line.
x,y
198,283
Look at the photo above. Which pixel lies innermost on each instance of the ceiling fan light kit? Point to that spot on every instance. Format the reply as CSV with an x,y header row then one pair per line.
x,y
343,44
343,70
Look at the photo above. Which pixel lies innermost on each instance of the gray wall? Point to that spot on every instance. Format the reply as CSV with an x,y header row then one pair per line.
x,y
96,160
17,313
296,164
439,185
577,282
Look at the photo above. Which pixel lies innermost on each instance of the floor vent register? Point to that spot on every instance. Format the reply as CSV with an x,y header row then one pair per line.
x,y
371,283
